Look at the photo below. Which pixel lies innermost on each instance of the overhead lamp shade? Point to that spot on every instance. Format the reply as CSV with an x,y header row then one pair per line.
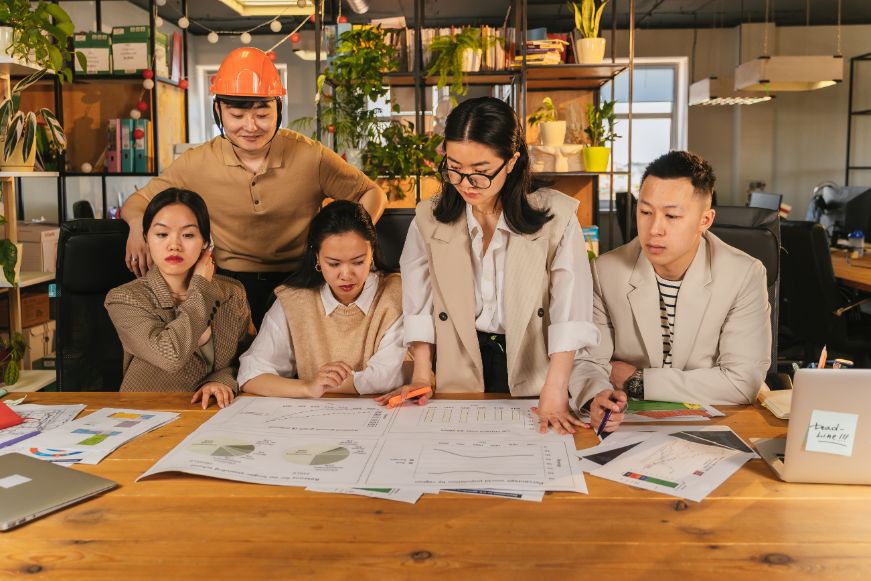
x,y
789,73
721,91
272,7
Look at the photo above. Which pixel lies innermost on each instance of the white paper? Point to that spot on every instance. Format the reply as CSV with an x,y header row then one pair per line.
x,y
37,419
831,433
407,495
676,465
707,411
496,417
90,439
527,495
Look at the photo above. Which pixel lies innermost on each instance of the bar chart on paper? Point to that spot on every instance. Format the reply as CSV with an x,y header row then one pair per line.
x,y
468,417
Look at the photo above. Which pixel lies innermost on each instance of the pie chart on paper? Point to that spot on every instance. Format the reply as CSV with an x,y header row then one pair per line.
x,y
221,448
317,454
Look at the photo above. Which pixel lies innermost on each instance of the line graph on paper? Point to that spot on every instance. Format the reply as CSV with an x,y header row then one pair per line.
x,y
458,459
299,417
461,417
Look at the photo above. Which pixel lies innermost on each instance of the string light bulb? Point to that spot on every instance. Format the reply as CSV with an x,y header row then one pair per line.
x,y
212,37
160,2
183,22
158,21
275,26
245,38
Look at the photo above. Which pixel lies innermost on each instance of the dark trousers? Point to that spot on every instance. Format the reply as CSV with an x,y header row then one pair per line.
x,y
258,287
495,362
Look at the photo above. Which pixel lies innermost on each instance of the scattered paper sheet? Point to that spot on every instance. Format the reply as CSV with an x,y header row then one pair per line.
x,y
527,495
687,464
444,417
90,439
406,495
664,411
831,433
38,419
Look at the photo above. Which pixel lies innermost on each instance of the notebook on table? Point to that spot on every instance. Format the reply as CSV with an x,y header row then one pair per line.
x,y
31,488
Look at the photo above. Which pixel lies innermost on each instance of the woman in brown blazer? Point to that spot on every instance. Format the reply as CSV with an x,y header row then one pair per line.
x,y
181,325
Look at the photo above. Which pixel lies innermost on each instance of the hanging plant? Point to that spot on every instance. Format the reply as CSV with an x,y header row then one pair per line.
x,y
448,57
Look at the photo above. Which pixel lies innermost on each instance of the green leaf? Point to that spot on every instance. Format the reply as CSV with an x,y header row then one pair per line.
x,y
13,134
8,258
83,60
29,135
55,129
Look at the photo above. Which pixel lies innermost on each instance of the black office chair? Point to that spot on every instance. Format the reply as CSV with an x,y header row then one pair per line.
x,y
90,262
391,230
765,200
83,209
816,310
756,231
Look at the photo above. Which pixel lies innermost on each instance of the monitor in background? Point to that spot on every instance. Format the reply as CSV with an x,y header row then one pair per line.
x,y
765,200
857,213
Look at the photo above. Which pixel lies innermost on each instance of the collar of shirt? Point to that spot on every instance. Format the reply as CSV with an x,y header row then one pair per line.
x,y
363,302
475,229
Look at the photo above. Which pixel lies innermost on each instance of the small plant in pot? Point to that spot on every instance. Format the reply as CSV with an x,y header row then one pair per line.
x,y
38,34
19,129
553,131
600,132
399,154
11,353
453,56
590,48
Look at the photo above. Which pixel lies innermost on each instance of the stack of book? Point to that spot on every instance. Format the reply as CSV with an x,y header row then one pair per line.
x,y
549,51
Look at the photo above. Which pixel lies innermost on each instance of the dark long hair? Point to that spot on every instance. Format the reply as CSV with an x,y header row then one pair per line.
x,y
337,217
491,122
179,196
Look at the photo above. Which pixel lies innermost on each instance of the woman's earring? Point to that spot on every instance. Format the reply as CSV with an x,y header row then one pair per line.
x,y
317,266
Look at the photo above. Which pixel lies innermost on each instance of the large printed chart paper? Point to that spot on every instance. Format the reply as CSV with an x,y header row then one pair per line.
x,y
90,439
38,419
358,444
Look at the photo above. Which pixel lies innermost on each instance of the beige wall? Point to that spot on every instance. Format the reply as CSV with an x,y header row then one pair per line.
x,y
793,142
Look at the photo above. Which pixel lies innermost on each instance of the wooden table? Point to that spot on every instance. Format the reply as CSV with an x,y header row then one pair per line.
x,y
857,274
180,526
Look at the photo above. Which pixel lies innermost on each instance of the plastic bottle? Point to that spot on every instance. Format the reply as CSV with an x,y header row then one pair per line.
x,y
856,238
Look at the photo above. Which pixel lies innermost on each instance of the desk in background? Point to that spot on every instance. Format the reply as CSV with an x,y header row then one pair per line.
x,y
856,275
182,526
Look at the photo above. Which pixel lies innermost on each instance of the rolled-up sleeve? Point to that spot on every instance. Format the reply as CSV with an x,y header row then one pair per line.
x,y
384,369
571,295
271,353
416,289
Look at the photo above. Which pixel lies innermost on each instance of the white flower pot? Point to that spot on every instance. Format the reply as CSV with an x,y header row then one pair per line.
x,y
472,60
16,161
591,51
553,133
5,39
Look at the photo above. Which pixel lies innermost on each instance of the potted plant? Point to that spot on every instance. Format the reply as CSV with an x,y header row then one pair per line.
x,y
553,131
18,129
600,132
356,77
11,353
38,34
456,54
589,47
399,157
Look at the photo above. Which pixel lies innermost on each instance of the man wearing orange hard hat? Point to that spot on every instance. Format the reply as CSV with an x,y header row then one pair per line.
x,y
262,184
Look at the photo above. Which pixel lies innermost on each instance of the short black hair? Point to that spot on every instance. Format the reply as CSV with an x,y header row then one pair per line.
x,y
492,122
684,164
337,217
179,196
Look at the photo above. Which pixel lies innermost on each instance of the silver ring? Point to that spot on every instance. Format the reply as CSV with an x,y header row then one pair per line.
x,y
134,259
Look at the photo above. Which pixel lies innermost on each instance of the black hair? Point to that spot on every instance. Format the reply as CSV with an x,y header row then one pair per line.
x,y
684,164
491,122
337,217
179,196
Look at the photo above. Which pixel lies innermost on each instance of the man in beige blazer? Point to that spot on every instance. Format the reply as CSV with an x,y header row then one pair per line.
x,y
682,315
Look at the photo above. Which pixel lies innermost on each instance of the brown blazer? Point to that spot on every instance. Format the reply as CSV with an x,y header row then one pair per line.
x,y
527,298
722,334
160,339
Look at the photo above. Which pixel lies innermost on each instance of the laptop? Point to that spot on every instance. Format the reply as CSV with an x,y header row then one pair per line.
x,y
829,435
31,488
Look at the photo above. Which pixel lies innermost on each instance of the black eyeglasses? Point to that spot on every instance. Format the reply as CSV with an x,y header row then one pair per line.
x,y
480,181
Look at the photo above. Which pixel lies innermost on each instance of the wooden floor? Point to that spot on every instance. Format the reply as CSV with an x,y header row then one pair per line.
x,y
179,526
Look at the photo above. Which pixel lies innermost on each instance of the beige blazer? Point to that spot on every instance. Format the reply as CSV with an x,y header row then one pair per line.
x,y
722,337
160,338
527,298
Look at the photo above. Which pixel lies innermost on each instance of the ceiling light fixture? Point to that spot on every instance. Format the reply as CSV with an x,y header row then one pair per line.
x,y
272,7
721,91
790,73
359,6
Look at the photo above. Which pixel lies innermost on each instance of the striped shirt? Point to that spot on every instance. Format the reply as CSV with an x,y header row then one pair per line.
x,y
668,290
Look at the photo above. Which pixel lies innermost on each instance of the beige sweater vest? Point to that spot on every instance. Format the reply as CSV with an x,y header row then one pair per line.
x,y
346,334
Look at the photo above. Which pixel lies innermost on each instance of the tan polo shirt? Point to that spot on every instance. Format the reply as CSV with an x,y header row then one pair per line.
x,y
260,220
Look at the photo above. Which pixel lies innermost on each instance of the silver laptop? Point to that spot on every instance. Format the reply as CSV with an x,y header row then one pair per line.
x,y
31,488
829,435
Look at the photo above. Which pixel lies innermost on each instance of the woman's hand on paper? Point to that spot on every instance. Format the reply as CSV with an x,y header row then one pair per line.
x,y
223,394
329,377
553,410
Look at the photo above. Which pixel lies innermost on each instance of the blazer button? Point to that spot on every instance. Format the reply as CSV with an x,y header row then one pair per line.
x,y
541,313
443,316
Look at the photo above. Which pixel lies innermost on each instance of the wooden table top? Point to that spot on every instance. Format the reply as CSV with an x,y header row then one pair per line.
x,y
181,526
857,274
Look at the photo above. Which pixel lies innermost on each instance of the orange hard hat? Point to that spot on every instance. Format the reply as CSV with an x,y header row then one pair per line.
x,y
247,72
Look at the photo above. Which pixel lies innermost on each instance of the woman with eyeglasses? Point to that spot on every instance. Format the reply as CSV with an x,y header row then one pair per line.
x,y
497,289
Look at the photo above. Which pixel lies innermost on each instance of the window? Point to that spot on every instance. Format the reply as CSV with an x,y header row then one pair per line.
x,y
659,113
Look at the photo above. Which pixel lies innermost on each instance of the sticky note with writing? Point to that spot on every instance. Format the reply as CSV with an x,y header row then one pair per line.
x,y
831,433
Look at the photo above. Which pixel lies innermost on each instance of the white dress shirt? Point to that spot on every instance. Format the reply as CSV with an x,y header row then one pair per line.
x,y
571,286
272,349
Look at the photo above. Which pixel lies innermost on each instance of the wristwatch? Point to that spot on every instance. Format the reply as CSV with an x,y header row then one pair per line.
x,y
634,386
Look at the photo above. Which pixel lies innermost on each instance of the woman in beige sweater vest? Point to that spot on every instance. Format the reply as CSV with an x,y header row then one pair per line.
x,y
180,324
337,323
498,290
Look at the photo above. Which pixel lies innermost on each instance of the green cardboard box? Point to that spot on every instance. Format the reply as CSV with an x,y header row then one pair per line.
x,y
131,52
97,48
